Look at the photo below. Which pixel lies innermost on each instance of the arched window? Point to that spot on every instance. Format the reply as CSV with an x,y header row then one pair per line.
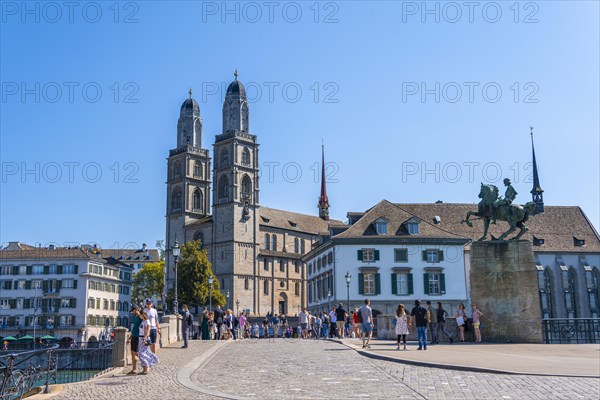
x,y
197,169
224,188
545,288
246,187
267,241
177,169
570,285
274,242
245,156
302,248
176,199
197,200
296,245
297,288
224,158
592,278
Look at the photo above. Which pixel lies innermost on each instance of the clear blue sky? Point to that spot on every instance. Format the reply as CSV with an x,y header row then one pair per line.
x,y
370,61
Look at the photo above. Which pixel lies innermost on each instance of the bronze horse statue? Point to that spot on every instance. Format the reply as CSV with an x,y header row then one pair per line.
x,y
514,214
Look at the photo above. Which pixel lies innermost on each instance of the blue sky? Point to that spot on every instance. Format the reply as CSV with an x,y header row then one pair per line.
x,y
414,104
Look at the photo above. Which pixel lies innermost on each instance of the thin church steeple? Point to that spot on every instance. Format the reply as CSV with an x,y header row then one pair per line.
x,y
323,200
536,191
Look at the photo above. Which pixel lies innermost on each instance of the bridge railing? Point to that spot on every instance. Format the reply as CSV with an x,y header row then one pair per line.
x,y
571,330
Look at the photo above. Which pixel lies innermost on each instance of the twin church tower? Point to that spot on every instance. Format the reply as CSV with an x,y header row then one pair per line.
x,y
255,251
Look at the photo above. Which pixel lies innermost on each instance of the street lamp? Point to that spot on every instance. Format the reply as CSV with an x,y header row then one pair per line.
x,y
210,282
329,298
237,306
175,250
348,278
227,302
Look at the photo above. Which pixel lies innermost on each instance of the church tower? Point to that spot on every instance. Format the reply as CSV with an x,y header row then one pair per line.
x,y
235,200
323,204
536,191
188,181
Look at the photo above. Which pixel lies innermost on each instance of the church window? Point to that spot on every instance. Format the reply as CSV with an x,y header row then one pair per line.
x,y
302,246
545,288
246,187
246,284
245,156
197,169
297,289
224,188
274,242
297,267
266,267
569,284
177,169
593,292
176,199
282,283
281,266
197,200
266,287
224,158
296,245
267,241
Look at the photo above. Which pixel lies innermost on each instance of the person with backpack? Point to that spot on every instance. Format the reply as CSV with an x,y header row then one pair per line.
x,y
420,318
365,317
186,325
441,318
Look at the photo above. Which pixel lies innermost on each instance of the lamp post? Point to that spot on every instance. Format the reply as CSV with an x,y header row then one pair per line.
x,y
210,282
237,306
36,286
329,298
175,249
227,301
348,278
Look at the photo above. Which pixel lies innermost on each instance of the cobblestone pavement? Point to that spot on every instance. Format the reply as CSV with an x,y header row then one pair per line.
x,y
276,369
316,370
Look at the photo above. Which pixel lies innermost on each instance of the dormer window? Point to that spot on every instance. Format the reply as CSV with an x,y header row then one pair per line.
x,y
413,228
293,224
578,242
538,241
381,226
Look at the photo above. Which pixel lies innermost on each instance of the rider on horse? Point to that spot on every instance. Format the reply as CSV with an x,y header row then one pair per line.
x,y
509,196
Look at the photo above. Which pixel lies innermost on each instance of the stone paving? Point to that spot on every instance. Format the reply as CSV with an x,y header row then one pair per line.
x,y
308,369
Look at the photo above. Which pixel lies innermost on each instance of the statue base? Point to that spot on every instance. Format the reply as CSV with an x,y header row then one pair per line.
x,y
504,286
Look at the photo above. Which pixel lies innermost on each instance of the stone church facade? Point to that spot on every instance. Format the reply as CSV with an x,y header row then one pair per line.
x,y
255,250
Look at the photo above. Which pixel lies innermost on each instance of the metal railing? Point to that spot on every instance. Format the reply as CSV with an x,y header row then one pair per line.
x,y
84,361
20,372
571,330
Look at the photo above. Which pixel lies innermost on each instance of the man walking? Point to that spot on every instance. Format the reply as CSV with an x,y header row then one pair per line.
x,y
134,338
420,319
366,325
340,318
433,323
154,324
186,325
219,316
441,321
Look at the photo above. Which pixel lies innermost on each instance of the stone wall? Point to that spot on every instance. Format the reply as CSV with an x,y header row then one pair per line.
x,y
504,285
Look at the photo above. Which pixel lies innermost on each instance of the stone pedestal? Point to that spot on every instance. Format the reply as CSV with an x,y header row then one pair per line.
x,y
504,286
119,353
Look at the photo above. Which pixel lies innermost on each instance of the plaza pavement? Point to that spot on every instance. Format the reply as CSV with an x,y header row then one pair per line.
x,y
310,369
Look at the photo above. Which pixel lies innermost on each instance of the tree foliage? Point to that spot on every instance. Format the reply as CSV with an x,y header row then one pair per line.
x,y
148,282
193,270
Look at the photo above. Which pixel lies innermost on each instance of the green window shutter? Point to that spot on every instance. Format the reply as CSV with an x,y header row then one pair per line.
x,y
46,269
361,282
58,284
73,303
15,270
394,284
59,269
45,286
76,269
426,282
443,283
12,303
410,284
27,285
440,255
376,255
27,304
377,283
424,253
359,254
29,270
75,284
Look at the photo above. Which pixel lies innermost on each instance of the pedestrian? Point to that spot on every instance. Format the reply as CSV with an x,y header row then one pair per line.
x,y
242,325
154,324
366,316
147,357
206,324
134,338
461,320
420,319
432,323
219,316
476,322
401,325
303,319
340,318
441,318
333,323
186,324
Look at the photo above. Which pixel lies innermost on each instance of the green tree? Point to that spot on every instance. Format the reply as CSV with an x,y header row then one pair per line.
x,y
148,282
193,270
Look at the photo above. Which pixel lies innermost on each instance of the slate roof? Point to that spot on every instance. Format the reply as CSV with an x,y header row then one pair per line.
x,y
45,253
397,219
126,255
557,226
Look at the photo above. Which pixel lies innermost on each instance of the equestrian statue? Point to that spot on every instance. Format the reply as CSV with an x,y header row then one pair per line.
x,y
493,207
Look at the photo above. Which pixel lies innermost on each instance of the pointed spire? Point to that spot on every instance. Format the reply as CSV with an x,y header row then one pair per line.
x,y
235,74
536,191
323,200
190,92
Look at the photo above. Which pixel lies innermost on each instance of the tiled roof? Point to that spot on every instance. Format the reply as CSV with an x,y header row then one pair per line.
x,y
271,217
557,226
44,253
396,221
131,255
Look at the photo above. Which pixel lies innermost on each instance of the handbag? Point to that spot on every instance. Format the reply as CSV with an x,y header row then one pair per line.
x,y
460,320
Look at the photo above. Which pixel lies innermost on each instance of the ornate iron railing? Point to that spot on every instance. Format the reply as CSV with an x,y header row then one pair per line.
x,y
19,373
571,330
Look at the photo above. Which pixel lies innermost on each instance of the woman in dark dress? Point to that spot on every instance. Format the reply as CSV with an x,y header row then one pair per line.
x,y
206,324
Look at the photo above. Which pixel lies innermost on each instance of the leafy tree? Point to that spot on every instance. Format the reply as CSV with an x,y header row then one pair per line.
x,y
193,270
149,281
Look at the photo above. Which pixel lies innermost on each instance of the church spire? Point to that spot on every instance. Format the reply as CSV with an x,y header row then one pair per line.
x,y
323,200
536,191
